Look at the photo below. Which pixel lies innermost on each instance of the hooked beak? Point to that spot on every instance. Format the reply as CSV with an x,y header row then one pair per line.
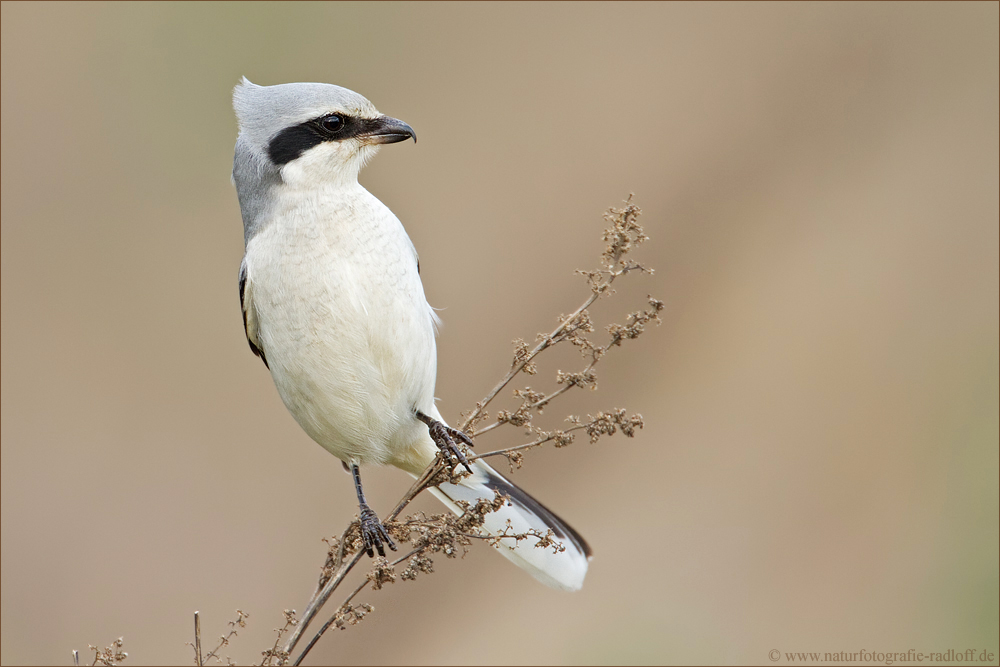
x,y
386,130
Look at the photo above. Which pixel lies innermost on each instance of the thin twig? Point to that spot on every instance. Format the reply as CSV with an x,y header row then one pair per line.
x,y
322,596
430,473
419,485
234,626
197,640
340,550
542,402
529,445
517,368
318,602
333,619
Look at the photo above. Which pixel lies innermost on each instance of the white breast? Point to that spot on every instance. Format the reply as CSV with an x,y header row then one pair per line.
x,y
342,319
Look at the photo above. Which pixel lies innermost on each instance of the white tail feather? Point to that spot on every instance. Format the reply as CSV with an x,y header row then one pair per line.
x,y
564,570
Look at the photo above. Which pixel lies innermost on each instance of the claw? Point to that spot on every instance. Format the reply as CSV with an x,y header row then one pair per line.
x,y
373,533
444,437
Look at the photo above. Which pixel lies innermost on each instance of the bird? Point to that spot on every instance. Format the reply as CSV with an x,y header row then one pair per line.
x,y
334,306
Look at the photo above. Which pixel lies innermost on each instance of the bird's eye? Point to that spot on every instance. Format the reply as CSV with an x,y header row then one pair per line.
x,y
332,123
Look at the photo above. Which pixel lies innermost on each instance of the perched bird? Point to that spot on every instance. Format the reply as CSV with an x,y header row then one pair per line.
x,y
334,307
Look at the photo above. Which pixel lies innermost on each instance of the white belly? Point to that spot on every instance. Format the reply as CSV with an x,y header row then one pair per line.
x,y
345,327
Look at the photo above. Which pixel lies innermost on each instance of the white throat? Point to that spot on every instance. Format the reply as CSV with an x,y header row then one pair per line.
x,y
328,164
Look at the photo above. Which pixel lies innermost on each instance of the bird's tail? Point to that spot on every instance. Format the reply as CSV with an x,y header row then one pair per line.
x,y
564,570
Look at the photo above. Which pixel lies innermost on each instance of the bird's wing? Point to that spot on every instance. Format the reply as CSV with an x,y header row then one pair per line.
x,y
249,312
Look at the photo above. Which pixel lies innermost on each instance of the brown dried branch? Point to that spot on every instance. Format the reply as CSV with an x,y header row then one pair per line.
x,y
111,655
440,533
234,626
197,640
332,581
275,655
624,234
595,426
532,400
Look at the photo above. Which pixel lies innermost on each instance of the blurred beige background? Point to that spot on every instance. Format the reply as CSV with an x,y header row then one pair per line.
x,y
819,467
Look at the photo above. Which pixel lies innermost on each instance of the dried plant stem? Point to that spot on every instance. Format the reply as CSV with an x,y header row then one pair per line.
x,y
519,366
540,403
197,640
319,600
419,485
321,596
333,619
529,445
111,655
234,626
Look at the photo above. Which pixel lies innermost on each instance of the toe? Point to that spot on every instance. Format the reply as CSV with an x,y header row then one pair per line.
x,y
388,540
461,436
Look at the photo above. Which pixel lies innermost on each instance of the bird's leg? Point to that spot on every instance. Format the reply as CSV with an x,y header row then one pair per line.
x,y
373,533
444,437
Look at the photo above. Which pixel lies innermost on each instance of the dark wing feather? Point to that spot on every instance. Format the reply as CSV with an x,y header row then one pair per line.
x,y
245,305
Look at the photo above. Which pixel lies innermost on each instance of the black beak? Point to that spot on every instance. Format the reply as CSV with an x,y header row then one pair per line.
x,y
385,130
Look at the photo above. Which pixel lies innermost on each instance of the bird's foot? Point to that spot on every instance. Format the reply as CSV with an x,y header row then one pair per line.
x,y
373,533
447,439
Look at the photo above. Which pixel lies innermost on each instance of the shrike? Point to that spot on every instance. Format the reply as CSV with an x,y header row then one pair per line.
x,y
334,307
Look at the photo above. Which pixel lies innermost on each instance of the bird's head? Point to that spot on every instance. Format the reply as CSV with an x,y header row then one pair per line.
x,y
311,132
